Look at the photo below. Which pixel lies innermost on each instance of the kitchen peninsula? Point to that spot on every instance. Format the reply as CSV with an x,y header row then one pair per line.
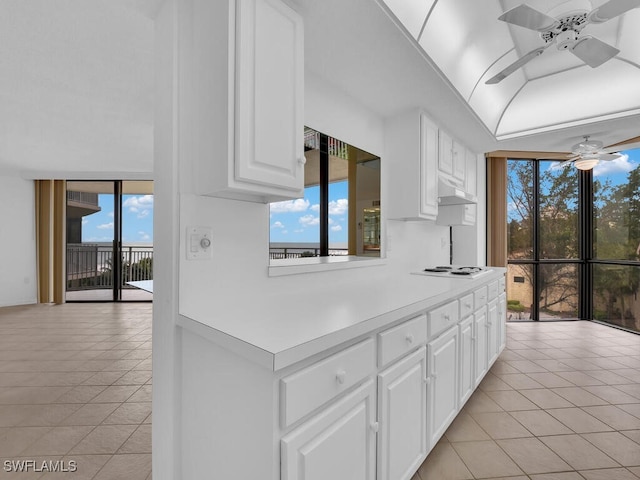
x,y
344,388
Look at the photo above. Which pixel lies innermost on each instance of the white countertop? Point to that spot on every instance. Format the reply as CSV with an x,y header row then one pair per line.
x,y
285,323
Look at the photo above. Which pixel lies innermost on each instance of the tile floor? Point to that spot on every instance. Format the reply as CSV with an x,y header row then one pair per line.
x,y
561,403
75,386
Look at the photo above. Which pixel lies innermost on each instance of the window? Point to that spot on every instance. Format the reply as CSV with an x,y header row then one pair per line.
x,y
340,211
573,241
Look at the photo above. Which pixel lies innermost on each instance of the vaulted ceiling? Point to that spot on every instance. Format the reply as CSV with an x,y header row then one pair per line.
x,y
555,89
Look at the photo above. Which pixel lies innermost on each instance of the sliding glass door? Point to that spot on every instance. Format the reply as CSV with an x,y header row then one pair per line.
x,y
109,240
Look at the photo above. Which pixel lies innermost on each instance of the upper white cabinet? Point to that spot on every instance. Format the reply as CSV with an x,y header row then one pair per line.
x,y
445,158
264,127
459,161
470,175
412,153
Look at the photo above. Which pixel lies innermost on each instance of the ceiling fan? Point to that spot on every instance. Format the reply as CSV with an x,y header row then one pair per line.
x,y
586,154
566,33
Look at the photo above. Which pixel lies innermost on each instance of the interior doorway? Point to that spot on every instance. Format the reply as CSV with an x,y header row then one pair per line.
x,y
109,246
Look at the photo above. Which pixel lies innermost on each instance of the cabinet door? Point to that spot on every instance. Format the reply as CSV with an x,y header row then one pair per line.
x,y
445,153
428,168
501,319
459,161
443,384
470,175
492,331
269,95
480,343
467,359
402,414
339,443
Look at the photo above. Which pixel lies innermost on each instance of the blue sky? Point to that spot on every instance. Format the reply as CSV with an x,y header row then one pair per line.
x,y
137,220
298,220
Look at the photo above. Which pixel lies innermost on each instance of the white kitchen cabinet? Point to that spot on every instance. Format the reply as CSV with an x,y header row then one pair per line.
x,y
480,343
493,331
257,150
471,172
467,359
502,317
339,443
412,153
459,161
402,415
445,153
442,387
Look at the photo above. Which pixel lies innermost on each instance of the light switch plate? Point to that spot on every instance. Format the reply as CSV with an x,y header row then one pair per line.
x,y
199,244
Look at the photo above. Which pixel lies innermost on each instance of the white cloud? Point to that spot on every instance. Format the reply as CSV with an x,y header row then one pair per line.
x,y
309,220
141,205
277,225
106,226
85,221
338,207
110,214
299,230
315,207
619,165
336,228
144,235
288,206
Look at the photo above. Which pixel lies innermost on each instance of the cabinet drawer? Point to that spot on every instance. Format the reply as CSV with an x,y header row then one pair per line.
x,y
442,318
480,297
401,339
501,284
303,391
493,290
466,305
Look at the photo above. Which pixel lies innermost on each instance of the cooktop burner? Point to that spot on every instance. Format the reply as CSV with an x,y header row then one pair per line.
x,y
457,270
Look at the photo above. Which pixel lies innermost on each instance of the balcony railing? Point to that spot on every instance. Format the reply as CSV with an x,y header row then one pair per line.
x,y
278,253
90,266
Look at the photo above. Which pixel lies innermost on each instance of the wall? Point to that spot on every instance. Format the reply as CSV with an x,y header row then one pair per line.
x,y
18,284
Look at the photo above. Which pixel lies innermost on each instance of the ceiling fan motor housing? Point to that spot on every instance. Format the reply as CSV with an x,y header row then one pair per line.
x,y
566,31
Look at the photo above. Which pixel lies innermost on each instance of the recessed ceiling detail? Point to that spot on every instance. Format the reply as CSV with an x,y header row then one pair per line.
x,y
547,88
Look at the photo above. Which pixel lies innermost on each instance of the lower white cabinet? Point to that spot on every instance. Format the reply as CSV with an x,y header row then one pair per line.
x,y
402,415
443,383
480,343
339,443
467,359
502,327
492,331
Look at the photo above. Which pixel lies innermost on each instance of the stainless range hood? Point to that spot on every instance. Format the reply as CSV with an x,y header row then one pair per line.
x,y
451,194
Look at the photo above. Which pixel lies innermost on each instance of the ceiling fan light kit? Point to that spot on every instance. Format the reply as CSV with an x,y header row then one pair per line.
x,y
585,163
565,32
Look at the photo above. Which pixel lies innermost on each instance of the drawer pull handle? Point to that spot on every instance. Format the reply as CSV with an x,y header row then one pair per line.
x,y
447,317
426,380
434,375
302,160
409,338
341,376
467,305
375,426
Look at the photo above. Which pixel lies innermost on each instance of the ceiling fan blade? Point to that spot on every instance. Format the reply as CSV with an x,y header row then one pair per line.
x,y
608,156
567,163
516,65
612,9
527,17
622,147
593,52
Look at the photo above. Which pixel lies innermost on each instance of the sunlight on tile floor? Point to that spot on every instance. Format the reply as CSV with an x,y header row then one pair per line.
x,y
75,391
561,403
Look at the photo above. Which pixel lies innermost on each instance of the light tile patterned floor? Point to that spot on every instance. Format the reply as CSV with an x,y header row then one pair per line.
x,y
561,403
75,385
